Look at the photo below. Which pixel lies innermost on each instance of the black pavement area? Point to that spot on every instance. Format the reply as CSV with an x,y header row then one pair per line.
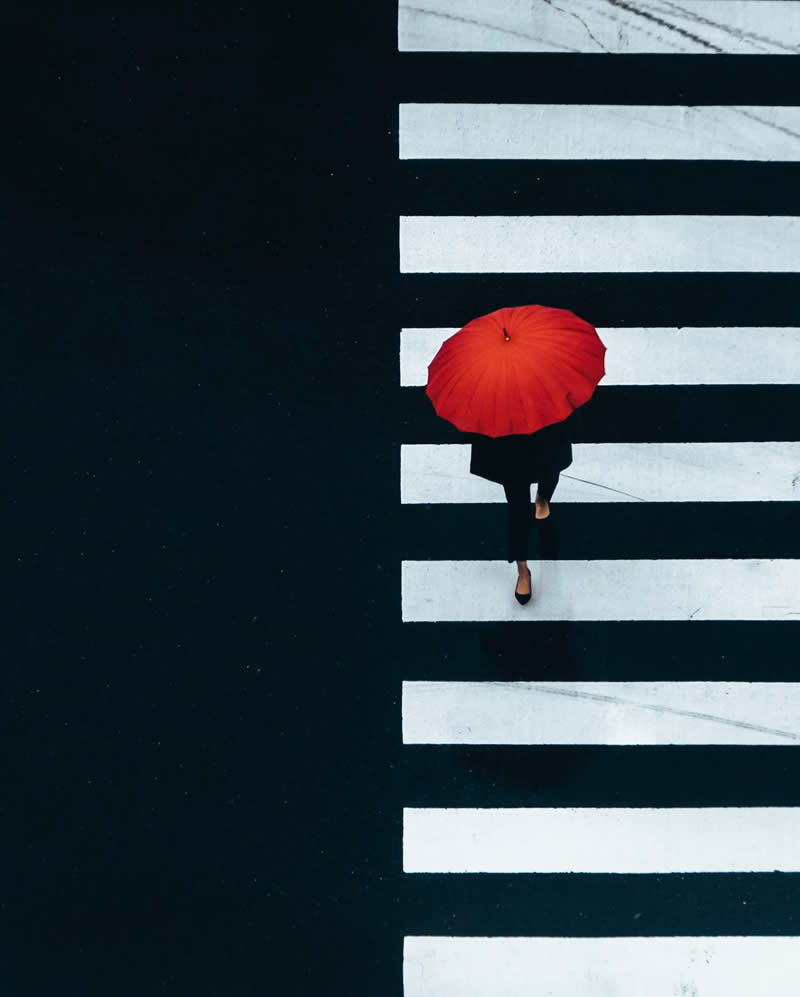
x,y
202,649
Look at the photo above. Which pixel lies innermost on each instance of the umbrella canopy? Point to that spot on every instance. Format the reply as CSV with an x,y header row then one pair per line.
x,y
515,370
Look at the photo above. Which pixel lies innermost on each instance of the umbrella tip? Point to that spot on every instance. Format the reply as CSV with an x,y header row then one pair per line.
x,y
506,334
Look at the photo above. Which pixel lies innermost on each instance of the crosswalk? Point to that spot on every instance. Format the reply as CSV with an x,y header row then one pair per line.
x,y
732,27
702,708
615,590
708,966
599,244
620,472
734,355
602,839
598,131
660,713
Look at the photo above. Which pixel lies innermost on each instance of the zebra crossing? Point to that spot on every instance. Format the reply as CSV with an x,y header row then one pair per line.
x,y
732,27
686,592
600,244
673,356
598,131
621,472
622,967
607,589
601,712
598,840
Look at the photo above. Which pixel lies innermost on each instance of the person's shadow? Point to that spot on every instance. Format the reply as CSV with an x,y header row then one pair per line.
x,y
526,652
544,651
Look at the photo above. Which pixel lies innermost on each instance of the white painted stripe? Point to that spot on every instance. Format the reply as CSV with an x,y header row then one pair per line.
x,y
601,713
599,131
602,839
662,589
750,27
438,473
713,966
599,243
656,355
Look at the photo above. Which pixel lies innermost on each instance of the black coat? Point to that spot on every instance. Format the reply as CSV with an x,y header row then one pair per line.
x,y
526,457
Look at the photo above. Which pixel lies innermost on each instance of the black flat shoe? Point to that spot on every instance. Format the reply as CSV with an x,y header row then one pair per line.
x,y
522,599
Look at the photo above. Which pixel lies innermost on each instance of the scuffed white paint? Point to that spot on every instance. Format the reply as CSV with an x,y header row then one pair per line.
x,y
661,589
598,131
707,27
601,839
599,243
601,713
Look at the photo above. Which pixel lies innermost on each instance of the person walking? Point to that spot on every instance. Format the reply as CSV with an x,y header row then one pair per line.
x,y
516,462
513,380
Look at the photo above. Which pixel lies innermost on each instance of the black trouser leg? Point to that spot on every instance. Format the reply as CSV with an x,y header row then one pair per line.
x,y
518,496
547,486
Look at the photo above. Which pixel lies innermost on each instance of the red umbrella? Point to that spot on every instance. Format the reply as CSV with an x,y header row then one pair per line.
x,y
515,370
